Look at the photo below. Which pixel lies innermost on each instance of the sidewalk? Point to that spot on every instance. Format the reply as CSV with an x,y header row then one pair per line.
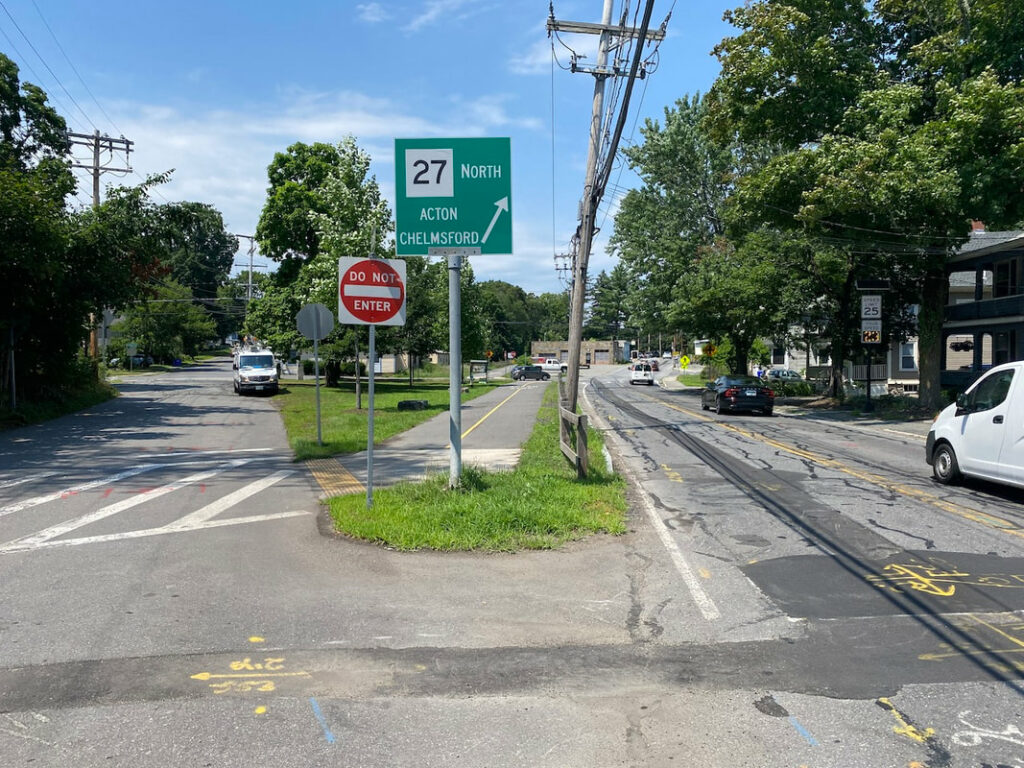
x,y
494,427
795,407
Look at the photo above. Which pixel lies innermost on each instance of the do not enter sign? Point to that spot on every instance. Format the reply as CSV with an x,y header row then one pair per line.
x,y
371,291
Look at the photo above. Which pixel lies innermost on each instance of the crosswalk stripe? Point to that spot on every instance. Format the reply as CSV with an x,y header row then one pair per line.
x,y
151,532
37,500
200,516
112,509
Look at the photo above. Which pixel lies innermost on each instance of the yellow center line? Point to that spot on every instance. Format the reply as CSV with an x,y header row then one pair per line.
x,y
977,516
481,420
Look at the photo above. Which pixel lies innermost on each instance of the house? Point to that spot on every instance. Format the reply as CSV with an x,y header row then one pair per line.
x,y
984,316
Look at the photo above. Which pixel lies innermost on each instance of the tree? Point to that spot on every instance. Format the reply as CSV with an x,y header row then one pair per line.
x,y
168,326
200,251
550,315
914,129
608,305
507,313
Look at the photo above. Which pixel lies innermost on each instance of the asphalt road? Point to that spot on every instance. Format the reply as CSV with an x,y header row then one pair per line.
x,y
791,593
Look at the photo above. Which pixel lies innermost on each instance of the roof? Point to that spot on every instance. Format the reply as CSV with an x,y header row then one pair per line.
x,y
987,243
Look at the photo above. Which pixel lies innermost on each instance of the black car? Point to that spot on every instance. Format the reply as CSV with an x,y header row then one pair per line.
x,y
533,372
514,371
737,393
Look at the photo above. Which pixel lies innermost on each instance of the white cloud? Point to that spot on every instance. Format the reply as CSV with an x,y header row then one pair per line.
x,y
220,157
372,13
535,61
448,10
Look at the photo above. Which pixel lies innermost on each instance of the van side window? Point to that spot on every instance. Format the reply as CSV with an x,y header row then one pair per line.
x,y
991,391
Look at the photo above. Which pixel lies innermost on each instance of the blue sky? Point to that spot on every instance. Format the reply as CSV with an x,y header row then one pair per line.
x,y
213,89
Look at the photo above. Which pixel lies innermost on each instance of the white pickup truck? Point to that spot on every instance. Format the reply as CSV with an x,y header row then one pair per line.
x,y
553,365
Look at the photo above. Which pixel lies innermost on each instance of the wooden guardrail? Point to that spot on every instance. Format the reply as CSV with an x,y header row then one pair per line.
x,y
572,439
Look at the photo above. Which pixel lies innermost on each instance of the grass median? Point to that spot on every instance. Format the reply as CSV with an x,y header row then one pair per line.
x,y
539,505
343,426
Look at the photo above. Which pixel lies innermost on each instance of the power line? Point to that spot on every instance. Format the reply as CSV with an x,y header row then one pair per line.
x,y
74,69
48,69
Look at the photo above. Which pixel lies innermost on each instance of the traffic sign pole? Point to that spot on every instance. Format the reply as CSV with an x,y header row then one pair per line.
x,y
455,368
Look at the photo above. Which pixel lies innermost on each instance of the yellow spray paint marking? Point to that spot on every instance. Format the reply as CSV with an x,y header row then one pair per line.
x,y
260,711
904,728
672,475
247,676
705,573
977,516
987,640
256,639
939,579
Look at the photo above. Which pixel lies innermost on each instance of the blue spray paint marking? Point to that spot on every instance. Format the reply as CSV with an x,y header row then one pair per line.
x,y
322,720
803,731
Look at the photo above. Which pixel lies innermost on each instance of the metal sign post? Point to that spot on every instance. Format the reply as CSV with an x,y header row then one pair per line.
x,y
315,321
371,292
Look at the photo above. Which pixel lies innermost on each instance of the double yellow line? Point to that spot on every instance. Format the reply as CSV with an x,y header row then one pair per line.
x,y
974,515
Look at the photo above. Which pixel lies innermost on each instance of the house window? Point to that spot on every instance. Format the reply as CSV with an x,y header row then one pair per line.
x,y
908,358
778,355
1005,281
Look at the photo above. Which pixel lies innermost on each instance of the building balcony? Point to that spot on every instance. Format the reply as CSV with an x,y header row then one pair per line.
x,y
986,309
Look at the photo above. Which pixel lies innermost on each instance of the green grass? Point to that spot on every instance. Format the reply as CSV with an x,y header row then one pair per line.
x,y
30,412
343,426
692,380
539,505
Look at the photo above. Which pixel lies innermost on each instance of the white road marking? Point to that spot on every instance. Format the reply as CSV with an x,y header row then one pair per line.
x,y
706,605
149,532
48,497
28,479
112,509
200,516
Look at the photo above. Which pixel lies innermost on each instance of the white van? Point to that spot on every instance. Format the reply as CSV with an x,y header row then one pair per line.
x,y
982,433
255,371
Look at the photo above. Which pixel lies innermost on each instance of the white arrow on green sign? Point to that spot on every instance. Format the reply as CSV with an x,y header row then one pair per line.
x,y
453,193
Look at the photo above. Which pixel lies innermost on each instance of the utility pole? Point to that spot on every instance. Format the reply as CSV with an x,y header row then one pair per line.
x,y
593,188
252,249
99,144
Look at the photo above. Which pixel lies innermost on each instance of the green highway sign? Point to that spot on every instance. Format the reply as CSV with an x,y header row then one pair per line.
x,y
453,193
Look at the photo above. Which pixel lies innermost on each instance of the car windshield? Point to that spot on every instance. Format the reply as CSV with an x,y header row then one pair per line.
x,y
256,361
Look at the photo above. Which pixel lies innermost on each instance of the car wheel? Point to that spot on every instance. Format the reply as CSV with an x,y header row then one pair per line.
x,y
718,405
704,406
767,411
631,382
944,465
546,376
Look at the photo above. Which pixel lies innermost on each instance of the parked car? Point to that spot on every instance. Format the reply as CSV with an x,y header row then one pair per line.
x,y
641,372
784,374
514,372
534,372
738,393
553,365
982,433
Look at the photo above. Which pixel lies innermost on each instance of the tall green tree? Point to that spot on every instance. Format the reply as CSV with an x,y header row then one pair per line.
x,y
915,129
200,252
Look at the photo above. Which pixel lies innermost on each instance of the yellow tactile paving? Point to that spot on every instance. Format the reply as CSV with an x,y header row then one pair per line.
x,y
333,478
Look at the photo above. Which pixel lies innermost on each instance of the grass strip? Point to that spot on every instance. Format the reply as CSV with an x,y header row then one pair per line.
x,y
343,426
538,505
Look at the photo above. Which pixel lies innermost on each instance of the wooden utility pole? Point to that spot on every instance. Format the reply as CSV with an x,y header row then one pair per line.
x,y
593,188
99,144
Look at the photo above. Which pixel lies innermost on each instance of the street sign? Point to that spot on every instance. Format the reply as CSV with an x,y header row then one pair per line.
x,y
453,193
871,307
314,321
371,291
871,331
